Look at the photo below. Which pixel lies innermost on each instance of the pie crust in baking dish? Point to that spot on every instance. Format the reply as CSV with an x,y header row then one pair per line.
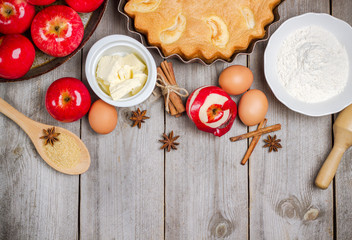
x,y
205,29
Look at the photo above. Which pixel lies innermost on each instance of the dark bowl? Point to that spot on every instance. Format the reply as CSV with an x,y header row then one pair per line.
x,y
249,50
53,63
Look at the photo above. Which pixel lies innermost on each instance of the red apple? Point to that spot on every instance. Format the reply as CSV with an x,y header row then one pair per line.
x,y
16,56
15,16
67,99
57,30
41,2
212,110
84,6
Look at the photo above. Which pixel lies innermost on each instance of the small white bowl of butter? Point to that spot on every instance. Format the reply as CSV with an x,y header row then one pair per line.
x,y
121,71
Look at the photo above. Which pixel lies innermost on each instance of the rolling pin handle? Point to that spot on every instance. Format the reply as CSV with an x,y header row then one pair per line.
x,y
329,168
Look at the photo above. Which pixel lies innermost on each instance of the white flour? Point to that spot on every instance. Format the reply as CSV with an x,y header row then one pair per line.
x,y
312,65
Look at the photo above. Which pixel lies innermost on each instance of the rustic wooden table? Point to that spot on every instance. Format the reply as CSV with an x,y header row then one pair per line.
x,y
133,190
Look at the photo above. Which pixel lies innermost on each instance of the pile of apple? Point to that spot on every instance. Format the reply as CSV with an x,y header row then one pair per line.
x,y
57,30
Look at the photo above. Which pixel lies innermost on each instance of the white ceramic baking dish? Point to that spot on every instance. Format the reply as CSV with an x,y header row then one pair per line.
x,y
341,30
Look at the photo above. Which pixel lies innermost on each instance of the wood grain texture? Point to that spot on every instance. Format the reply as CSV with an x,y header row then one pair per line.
x,y
206,186
284,203
122,194
343,180
206,190
36,202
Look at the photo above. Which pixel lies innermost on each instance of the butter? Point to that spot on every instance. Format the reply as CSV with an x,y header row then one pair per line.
x,y
118,90
133,61
119,76
141,78
124,73
108,68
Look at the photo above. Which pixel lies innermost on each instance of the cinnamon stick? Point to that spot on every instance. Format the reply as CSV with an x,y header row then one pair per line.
x,y
253,143
173,81
170,77
259,132
166,69
160,71
172,73
177,101
172,109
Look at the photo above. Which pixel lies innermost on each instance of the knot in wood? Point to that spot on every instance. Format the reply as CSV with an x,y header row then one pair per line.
x,y
311,214
18,151
289,208
220,227
221,230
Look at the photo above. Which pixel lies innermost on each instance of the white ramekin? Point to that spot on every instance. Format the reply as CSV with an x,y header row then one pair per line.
x,y
120,44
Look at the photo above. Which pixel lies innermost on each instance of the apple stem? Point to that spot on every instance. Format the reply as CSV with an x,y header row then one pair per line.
x,y
8,11
57,28
66,99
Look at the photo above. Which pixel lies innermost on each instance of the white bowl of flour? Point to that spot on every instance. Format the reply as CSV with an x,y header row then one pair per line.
x,y
308,64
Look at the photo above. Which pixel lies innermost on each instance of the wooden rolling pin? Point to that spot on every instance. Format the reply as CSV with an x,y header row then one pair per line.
x,y
343,140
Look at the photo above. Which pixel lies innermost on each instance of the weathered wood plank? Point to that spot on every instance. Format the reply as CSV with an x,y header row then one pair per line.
x,y
343,180
206,187
282,193
36,202
122,194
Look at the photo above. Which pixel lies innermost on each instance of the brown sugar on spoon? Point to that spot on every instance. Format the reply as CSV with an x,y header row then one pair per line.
x,y
65,153
170,90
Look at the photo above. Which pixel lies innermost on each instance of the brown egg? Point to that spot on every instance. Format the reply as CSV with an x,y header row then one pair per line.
x,y
253,107
102,117
236,79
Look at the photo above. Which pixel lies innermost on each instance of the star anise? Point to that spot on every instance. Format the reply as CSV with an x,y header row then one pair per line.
x,y
272,143
138,117
50,136
169,141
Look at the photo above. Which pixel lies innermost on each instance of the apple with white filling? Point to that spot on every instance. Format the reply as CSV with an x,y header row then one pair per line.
x,y
212,110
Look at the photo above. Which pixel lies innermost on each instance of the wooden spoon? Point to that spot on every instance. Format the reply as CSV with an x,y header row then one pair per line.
x,y
35,130
342,141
